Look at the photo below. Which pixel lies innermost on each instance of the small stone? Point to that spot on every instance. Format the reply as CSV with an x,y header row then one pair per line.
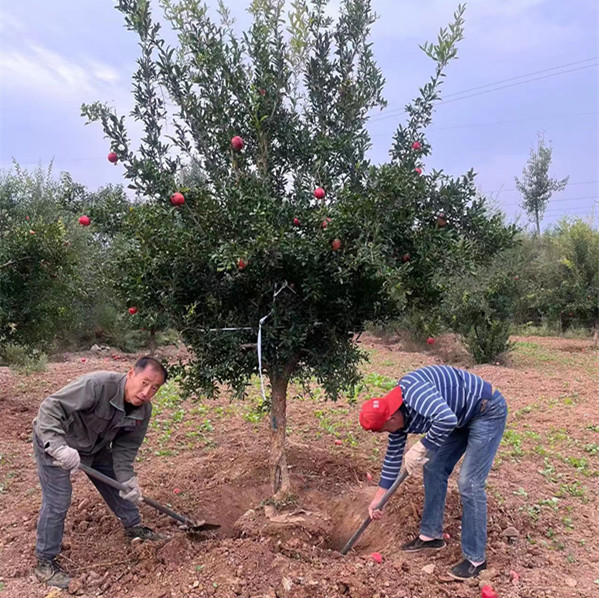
x,y
510,532
571,582
488,574
196,584
429,568
75,587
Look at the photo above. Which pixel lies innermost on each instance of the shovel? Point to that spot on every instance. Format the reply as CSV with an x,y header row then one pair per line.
x,y
188,524
402,476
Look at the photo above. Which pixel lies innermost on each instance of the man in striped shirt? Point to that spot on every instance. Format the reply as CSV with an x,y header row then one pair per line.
x,y
459,414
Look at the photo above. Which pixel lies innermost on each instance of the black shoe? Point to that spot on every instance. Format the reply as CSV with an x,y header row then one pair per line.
x,y
466,570
143,532
417,544
50,573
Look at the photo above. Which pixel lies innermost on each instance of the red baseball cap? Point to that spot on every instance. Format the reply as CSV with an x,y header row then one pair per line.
x,y
375,412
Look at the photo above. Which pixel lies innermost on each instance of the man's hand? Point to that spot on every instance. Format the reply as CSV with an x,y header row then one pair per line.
x,y
133,492
66,457
372,510
415,459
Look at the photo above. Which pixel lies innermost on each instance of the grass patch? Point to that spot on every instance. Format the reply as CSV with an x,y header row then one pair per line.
x,y
513,439
533,351
575,489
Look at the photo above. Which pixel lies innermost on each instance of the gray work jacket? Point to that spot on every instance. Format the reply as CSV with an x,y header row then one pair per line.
x,y
89,415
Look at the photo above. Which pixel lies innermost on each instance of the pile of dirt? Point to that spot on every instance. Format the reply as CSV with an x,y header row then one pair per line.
x,y
213,465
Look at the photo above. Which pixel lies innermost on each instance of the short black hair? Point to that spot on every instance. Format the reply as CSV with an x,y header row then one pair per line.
x,y
143,362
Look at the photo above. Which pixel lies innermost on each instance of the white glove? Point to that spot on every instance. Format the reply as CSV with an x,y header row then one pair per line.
x,y
415,459
133,492
66,457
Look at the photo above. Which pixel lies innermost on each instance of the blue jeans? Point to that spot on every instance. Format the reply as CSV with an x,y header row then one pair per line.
x,y
56,499
479,440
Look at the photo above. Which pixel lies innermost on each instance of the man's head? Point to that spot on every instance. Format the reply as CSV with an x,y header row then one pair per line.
x,y
143,381
382,414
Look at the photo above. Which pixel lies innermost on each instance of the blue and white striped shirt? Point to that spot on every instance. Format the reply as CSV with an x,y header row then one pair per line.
x,y
437,399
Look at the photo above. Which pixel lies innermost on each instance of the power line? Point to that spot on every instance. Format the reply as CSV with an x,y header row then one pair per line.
x,y
516,120
569,184
588,210
580,210
503,122
591,210
580,68
573,198
552,68
394,111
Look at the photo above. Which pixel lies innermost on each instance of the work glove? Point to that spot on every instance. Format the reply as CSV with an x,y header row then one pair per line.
x,y
372,507
415,459
133,491
65,457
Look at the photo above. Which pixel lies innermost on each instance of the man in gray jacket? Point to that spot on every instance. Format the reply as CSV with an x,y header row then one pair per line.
x,y
100,420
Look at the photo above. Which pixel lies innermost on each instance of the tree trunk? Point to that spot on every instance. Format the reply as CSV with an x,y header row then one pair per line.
x,y
152,342
538,223
279,474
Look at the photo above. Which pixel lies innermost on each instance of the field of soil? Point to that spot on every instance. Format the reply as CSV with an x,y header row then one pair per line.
x,y
209,460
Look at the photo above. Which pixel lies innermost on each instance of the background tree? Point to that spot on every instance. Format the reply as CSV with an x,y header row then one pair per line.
x,y
285,238
558,277
55,285
536,186
480,307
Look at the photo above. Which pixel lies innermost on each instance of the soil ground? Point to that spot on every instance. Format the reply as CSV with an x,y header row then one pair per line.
x,y
209,460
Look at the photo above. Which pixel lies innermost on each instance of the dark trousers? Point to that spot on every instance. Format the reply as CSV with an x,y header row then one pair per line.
x,y
56,499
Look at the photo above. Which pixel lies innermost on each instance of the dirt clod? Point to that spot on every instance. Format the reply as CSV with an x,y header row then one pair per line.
x,y
292,549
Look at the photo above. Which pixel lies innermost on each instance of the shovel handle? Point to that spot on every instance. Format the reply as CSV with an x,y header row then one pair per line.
x,y
94,473
402,476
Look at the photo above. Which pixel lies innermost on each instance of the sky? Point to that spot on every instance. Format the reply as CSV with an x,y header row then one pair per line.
x,y
525,66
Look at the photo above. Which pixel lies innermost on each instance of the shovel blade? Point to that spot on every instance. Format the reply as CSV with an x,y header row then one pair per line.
x,y
204,527
199,526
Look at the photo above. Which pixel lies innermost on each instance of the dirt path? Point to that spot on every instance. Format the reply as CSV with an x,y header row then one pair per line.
x,y
209,460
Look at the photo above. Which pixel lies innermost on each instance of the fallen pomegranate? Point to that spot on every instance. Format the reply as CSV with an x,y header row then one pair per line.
x,y
488,592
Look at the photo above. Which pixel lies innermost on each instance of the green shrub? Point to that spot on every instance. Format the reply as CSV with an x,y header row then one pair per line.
x,y
485,343
23,359
480,308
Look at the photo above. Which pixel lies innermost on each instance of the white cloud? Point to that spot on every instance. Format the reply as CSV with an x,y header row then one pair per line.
x,y
9,22
44,71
